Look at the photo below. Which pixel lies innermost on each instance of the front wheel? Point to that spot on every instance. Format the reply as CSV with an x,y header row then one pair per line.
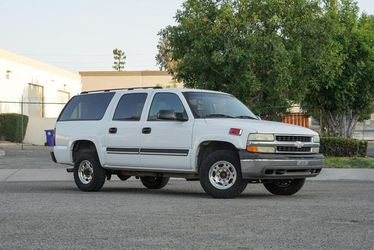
x,y
221,176
284,187
153,182
89,176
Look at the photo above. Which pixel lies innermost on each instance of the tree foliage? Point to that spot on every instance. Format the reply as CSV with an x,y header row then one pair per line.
x,y
339,80
119,59
275,53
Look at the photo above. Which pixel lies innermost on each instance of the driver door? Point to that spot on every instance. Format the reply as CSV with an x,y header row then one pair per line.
x,y
166,144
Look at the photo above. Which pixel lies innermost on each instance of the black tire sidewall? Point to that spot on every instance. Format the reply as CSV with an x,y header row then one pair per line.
x,y
98,178
221,155
293,188
157,183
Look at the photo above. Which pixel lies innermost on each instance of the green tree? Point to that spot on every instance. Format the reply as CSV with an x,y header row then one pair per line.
x,y
119,59
236,47
275,53
164,58
338,66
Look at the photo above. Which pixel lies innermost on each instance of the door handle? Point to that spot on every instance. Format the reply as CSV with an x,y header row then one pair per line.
x,y
112,130
146,130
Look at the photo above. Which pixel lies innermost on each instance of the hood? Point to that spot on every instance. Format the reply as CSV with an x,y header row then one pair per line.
x,y
262,126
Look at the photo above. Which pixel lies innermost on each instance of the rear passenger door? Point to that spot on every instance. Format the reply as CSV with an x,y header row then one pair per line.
x,y
166,144
123,131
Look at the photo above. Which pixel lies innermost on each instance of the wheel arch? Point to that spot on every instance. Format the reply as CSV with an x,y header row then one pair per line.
x,y
208,146
82,146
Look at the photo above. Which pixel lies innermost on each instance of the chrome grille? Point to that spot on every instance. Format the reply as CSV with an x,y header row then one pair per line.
x,y
286,149
293,138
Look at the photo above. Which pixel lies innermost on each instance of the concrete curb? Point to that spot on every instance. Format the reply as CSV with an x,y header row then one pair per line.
x,y
60,174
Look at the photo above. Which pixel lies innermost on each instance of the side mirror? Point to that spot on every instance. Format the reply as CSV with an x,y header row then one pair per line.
x,y
168,115
171,115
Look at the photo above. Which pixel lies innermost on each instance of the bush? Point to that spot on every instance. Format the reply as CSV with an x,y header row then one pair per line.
x,y
340,146
10,127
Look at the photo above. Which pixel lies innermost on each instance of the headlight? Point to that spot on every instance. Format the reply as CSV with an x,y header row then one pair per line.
x,y
316,139
261,137
255,149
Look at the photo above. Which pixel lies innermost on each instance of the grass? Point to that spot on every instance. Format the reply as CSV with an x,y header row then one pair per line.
x,y
349,162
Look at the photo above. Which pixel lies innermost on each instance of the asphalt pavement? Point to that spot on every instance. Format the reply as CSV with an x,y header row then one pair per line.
x,y
125,215
41,208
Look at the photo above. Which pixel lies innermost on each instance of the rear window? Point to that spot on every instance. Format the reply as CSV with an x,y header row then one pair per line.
x,y
86,107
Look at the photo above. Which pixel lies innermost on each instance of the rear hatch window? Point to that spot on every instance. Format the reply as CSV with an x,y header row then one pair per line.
x,y
86,107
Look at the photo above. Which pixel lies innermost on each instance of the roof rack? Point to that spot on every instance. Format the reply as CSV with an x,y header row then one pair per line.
x,y
108,90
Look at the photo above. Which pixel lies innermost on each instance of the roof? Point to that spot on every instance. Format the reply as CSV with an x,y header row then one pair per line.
x,y
10,56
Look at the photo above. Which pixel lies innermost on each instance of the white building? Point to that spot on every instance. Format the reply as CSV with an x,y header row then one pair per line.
x,y
43,88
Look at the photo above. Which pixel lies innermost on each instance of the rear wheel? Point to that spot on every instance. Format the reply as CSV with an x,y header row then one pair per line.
x,y
284,187
153,182
221,176
88,174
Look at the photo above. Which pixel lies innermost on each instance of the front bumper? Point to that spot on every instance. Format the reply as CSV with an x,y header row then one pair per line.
x,y
280,166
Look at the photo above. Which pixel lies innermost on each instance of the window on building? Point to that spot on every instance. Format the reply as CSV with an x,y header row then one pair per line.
x,y
35,98
63,96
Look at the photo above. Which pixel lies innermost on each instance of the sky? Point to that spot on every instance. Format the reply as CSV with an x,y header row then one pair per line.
x,y
79,35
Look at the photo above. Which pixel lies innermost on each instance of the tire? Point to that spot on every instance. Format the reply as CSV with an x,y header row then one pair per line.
x,y
152,182
123,177
89,176
285,187
229,183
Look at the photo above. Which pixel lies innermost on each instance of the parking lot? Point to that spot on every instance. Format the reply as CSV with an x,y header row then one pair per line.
x,y
55,215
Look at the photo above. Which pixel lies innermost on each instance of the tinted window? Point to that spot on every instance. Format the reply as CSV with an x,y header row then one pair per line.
x,y
216,105
165,101
130,107
86,107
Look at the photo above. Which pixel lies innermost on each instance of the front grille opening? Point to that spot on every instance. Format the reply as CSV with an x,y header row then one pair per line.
x,y
292,149
291,171
269,171
293,138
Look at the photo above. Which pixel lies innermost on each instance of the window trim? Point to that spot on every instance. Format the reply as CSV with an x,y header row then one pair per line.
x,y
153,98
140,117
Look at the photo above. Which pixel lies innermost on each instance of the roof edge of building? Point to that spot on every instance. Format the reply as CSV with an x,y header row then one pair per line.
x,y
8,55
125,73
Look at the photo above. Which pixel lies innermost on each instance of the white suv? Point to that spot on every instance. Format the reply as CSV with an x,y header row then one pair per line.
x,y
154,134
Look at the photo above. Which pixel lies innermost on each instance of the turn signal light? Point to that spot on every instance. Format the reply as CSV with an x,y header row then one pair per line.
x,y
235,131
252,149
264,149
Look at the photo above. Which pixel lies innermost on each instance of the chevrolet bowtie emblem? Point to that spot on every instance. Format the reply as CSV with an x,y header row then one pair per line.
x,y
299,144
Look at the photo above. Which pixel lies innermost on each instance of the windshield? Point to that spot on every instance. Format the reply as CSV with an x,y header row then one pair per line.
x,y
216,105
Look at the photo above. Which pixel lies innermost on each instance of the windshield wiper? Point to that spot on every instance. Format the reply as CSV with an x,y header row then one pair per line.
x,y
245,117
218,116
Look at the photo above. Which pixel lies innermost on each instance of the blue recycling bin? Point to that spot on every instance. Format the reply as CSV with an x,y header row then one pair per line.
x,y
49,133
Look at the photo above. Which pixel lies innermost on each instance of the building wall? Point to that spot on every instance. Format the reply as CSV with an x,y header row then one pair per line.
x,y
35,133
98,80
18,72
